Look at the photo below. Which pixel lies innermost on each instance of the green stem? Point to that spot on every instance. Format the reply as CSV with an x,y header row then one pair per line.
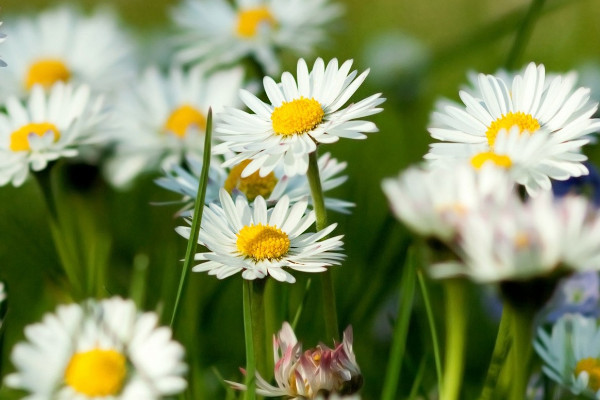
x,y
522,328
257,307
328,291
249,340
524,33
197,218
434,336
501,348
456,325
407,291
44,180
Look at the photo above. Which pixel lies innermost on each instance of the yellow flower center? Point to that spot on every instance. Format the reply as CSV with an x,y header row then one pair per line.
x,y
480,159
525,122
297,116
249,20
592,367
253,185
262,242
19,139
47,72
183,118
97,372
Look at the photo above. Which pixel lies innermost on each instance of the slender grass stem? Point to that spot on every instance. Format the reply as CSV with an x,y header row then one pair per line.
x,y
197,218
407,292
249,341
258,325
434,336
456,325
328,290
524,33
298,313
499,356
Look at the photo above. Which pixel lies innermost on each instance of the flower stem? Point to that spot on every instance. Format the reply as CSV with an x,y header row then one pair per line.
x,y
431,321
521,326
329,307
523,33
196,219
44,180
499,355
257,307
456,324
249,340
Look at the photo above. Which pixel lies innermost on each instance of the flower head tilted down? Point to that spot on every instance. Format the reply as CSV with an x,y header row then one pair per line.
x,y
261,241
101,350
312,373
301,114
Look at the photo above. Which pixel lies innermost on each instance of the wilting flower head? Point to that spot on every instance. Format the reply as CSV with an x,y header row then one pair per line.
x,y
216,33
555,118
103,350
63,45
261,241
314,372
571,354
51,125
271,187
163,118
302,114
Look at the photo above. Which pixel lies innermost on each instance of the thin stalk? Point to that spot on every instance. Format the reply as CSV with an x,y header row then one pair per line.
x,y
197,218
407,294
418,380
257,306
434,336
44,181
456,325
524,33
328,291
501,349
301,305
249,341
520,354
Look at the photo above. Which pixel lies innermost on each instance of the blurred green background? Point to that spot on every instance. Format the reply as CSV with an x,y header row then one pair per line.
x,y
418,51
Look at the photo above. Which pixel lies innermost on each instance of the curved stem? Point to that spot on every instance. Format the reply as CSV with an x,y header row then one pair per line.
x,y
524,33
249,341
456,324
328,291
499,356
196,219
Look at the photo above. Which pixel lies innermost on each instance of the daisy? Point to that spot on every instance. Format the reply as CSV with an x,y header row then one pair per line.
x,y
216,32
260,241
163,118
533,103
308,374
433,202
571,354
103,350
300,116
271,187
61,44
49,126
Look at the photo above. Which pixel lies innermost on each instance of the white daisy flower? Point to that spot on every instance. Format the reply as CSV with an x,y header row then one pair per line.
x,y
530,101
163,118
260,241
103,350
571,354
271,187
61,44
49,126
217,33
300,116
434,202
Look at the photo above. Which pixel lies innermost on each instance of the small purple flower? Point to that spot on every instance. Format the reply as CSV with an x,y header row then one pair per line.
x,y
578,293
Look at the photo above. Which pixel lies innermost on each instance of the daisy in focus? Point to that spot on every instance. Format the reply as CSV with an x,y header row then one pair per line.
x,y
217,33
309,374
529,103
51,125
571,354
271,187
62,45
258,241
98,350
163,119
301,115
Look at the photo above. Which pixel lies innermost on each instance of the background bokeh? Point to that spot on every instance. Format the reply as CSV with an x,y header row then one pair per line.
x,y
418,51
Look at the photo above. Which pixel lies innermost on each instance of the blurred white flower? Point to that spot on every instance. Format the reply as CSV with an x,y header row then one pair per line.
x,y
98,350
